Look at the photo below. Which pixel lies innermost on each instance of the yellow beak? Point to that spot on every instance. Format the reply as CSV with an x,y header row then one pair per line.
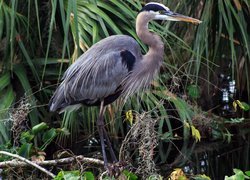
x,y
172,16
180,17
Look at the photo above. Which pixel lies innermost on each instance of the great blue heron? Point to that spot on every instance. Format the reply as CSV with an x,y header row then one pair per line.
x,y
114,67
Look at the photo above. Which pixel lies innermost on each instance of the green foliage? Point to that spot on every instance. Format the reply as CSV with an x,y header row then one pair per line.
x,y
62,175
25,150
195,133
27,139
72,175
6,147
39,128
88,176
48,137
157,177
193,91
238,175
108,178
243,105
26,136
12,52
129,175
201,177
247,173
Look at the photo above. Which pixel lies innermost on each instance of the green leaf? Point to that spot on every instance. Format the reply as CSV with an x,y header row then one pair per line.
x,y
39,128
201,177
239,175
25,150
4,80
158,177
1,19
245,106
247,173
130,175
88,176
237,171
59,176
63,130
235,120
108,178
26,137
48,136
166,136
7,97
26,55
104,16
227,136
68,175
193,91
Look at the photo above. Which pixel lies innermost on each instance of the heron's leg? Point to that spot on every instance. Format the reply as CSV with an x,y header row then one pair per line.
x,y
100,128
114,159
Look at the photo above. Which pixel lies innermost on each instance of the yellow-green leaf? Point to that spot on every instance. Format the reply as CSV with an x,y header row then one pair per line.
x,y
235,106
186,124
178,174
244,106
129,117
195,133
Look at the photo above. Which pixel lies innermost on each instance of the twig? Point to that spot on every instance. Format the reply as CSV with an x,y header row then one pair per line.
x,y
15,163
28,162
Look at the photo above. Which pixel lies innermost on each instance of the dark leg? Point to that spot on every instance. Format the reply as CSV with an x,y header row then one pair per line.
x,y
100,128
114,159
103,134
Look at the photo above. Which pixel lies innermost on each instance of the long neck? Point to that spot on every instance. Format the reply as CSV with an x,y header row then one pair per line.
x,y
148,65
154,42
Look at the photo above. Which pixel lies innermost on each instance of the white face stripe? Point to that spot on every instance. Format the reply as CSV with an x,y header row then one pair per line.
x,y
154,12
159,4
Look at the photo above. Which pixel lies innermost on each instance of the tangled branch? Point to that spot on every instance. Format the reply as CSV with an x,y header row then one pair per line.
x,y
25,161
22,162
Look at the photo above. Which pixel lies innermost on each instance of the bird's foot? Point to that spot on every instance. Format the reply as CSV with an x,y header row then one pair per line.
x,y
115,169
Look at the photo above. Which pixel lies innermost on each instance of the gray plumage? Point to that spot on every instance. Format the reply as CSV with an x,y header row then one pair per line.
x,y
113,68
100,71
96,74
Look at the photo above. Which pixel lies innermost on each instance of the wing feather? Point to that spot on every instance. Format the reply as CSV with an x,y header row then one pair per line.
x,y
95,80
97,74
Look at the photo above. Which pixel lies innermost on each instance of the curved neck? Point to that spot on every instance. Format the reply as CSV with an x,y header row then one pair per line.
x,y
156,46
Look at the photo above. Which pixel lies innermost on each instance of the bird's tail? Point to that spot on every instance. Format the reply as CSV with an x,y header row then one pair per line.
x,y
57,102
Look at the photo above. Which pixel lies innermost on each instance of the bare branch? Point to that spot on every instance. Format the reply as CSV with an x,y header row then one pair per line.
x,y
80,158
27,162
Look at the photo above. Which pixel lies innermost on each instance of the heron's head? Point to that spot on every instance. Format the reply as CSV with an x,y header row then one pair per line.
x,y
158,11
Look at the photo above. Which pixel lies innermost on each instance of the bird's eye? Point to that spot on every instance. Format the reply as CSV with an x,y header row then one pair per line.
x,y
161,12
